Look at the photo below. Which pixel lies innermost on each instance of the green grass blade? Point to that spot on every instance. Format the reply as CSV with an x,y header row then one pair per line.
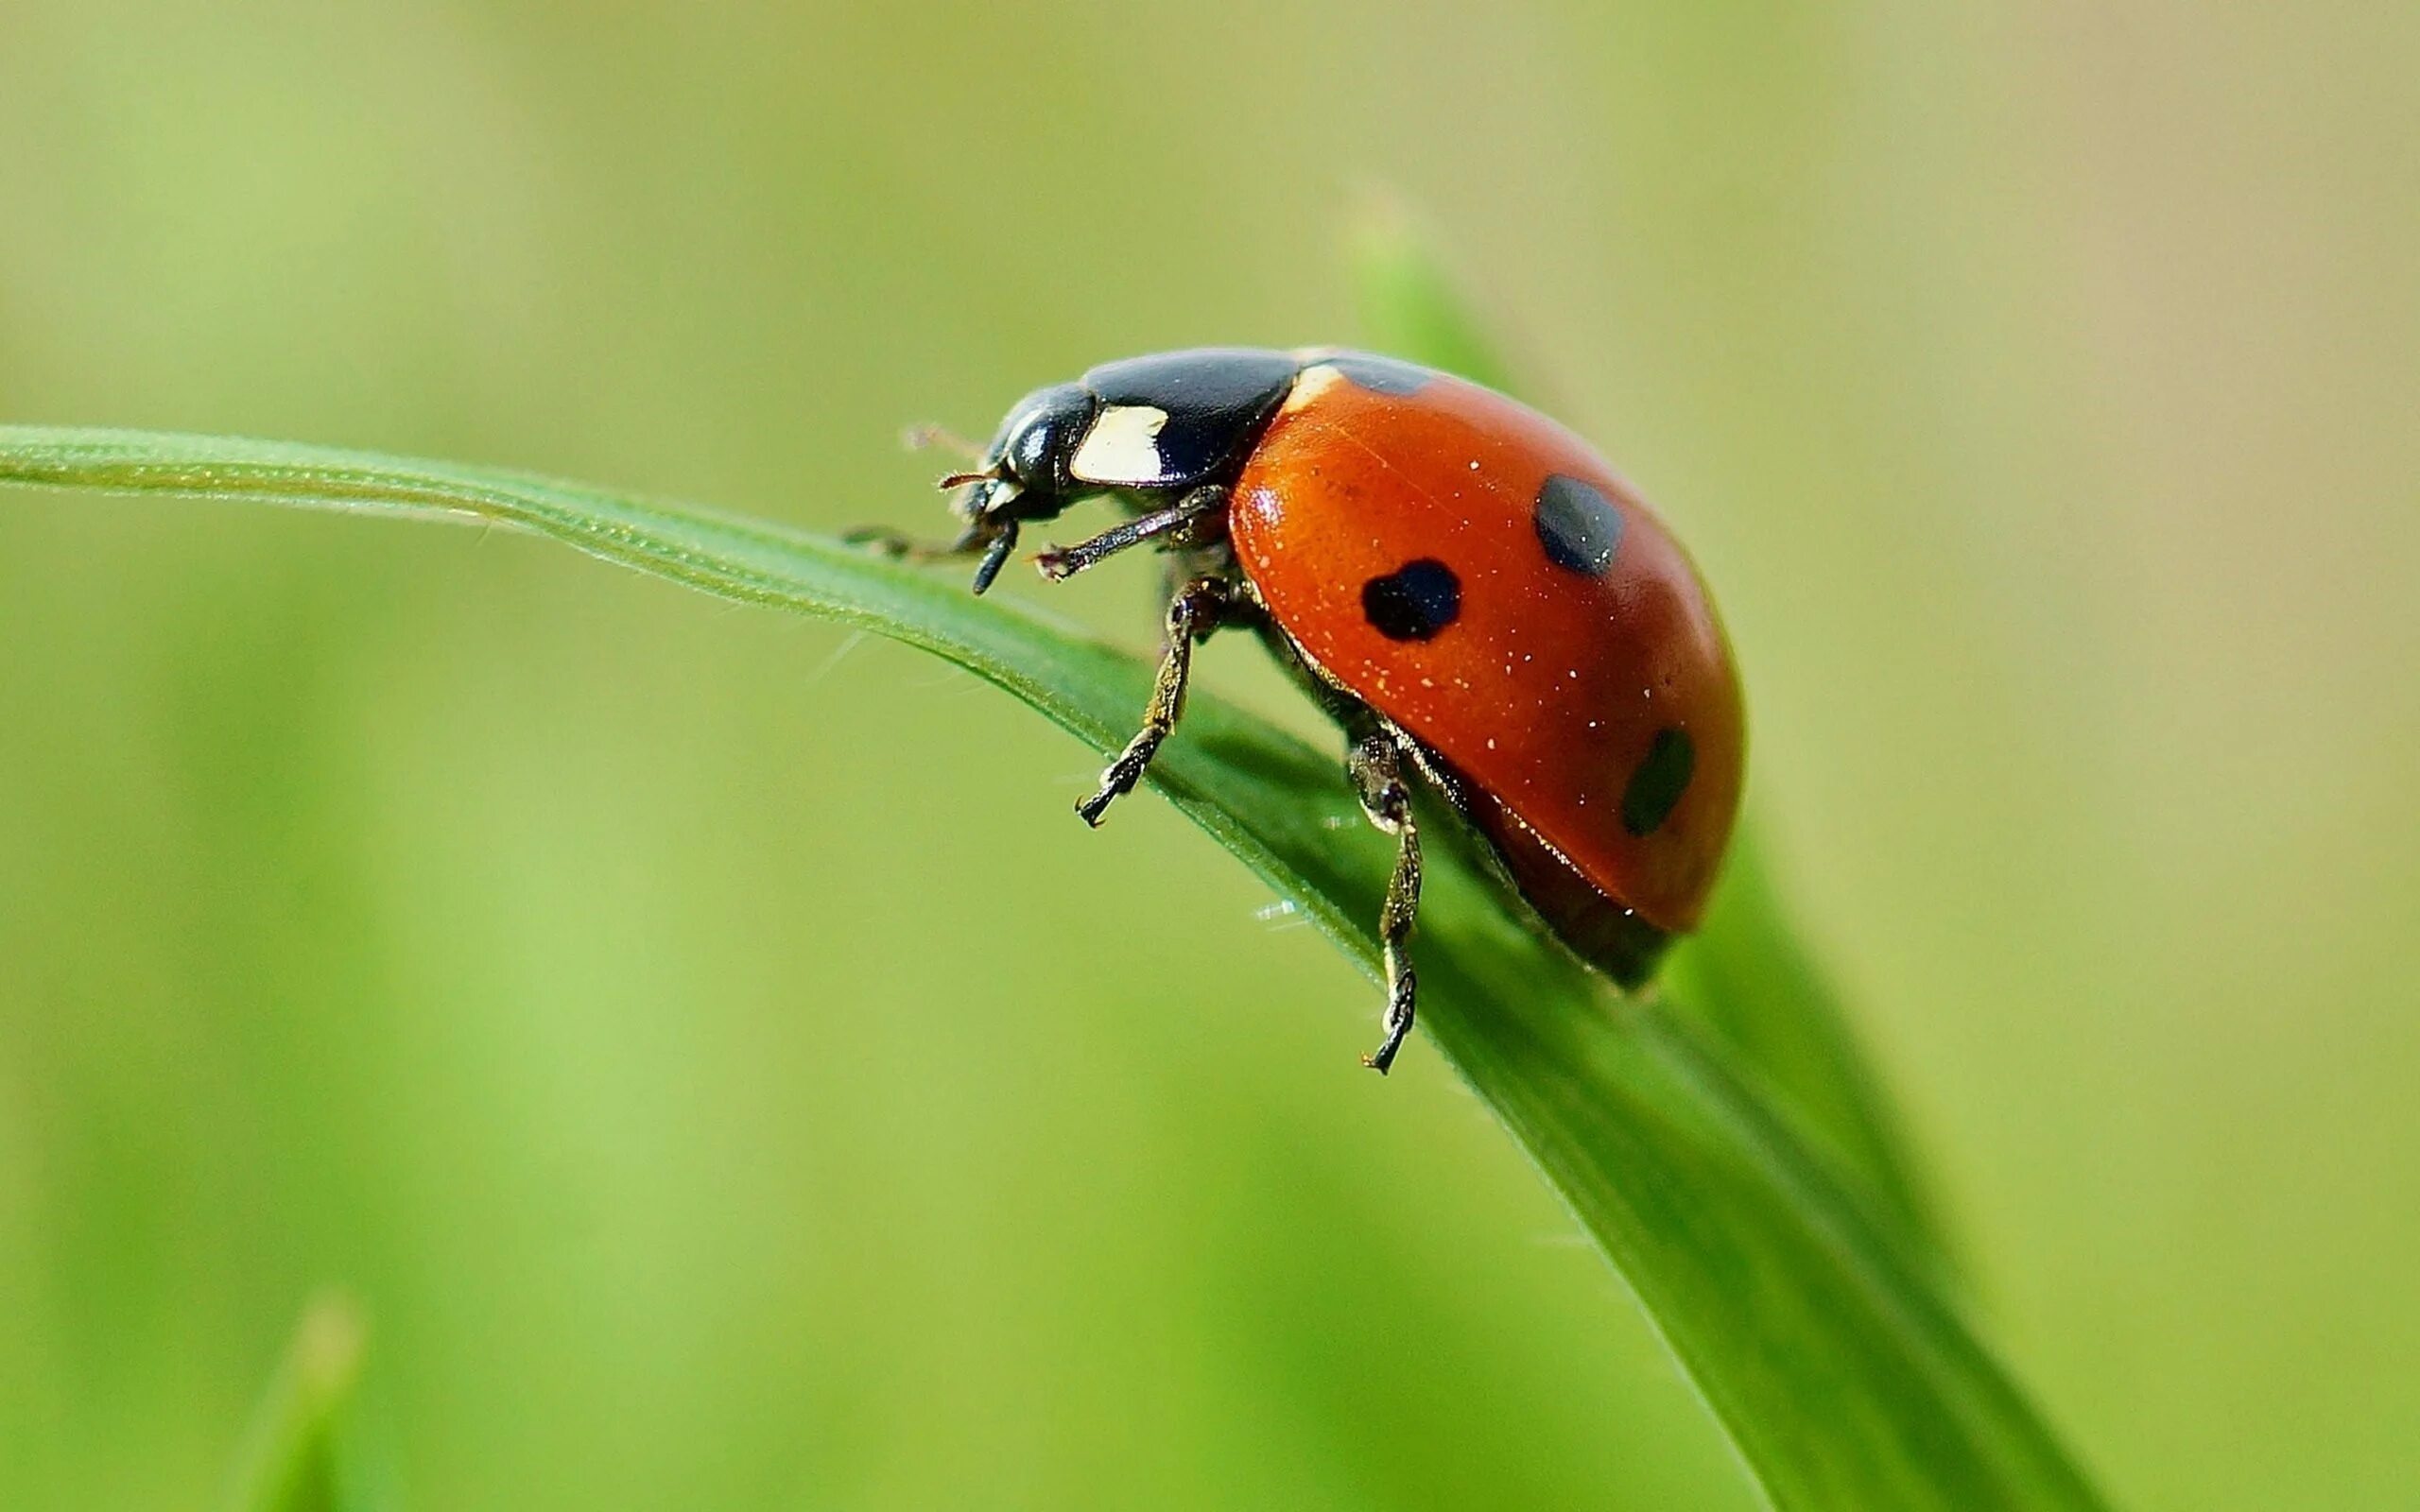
x,y
1827,1354
1748,976
1409,300
298,1458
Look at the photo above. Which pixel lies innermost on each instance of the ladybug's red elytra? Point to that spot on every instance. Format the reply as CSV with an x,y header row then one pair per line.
x,y
1480,601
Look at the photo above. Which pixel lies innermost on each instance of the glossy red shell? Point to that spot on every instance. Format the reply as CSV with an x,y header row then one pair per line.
x,y
1552,684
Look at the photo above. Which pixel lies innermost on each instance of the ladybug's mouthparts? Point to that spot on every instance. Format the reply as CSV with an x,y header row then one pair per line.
x,y
995,554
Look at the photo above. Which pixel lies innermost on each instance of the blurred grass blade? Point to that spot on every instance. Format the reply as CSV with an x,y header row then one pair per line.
x,y
1824,1352
1747,976
297,1456
1409,301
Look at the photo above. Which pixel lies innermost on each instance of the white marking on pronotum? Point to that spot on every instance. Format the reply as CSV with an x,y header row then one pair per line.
x,y
1312,383
1123,447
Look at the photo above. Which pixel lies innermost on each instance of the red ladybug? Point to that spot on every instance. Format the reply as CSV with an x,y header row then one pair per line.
x,y
1472,592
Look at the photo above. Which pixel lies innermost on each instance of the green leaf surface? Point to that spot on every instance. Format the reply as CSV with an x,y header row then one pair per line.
x,y
1840,1371
1747,975
1750,978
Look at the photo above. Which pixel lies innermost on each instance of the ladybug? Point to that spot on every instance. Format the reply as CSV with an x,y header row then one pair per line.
x,y
1481,602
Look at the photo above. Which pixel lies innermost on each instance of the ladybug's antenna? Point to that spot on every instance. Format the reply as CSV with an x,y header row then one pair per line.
x,y
959,480
926,436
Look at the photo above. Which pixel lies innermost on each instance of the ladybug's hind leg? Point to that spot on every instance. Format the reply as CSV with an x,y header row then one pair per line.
x,y
1375,764
1199,608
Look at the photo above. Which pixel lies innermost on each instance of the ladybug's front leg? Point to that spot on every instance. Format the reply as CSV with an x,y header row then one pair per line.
x,y
1200,513
1197,609
1375,764
991,538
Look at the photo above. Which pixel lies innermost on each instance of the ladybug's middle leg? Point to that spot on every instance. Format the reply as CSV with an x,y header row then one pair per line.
x,y
1197,608
1375,766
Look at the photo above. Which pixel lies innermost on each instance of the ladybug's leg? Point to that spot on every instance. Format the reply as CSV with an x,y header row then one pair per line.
x,y
1193,614
1375,764
1179,520
991,538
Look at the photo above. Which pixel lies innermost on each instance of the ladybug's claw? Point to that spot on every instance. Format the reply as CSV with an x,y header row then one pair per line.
x,y
1397,1014
1118,780
1192,615
1399,1017
1375,766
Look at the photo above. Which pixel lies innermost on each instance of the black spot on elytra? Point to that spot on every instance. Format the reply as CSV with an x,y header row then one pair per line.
x,y
1381,376
1578,527
1414,602
1662,775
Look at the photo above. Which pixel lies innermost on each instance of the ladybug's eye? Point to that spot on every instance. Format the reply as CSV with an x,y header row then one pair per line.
x,y
1035,440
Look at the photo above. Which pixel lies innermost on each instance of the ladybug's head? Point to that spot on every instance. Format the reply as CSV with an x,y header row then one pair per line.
x,y
1024,475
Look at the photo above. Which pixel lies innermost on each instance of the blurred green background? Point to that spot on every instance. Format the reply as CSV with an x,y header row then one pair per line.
x,y
725,1073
